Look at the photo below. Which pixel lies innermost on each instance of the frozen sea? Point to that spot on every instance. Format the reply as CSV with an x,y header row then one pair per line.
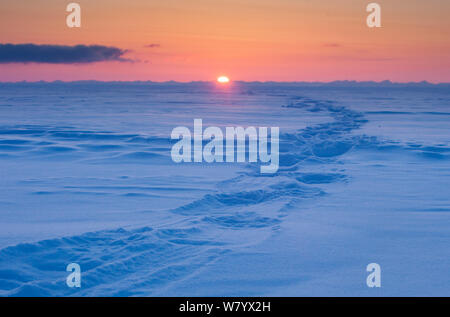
x,y
86,177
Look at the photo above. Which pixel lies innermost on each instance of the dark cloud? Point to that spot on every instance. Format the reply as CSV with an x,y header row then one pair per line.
x,y
332,45
59,54
153,45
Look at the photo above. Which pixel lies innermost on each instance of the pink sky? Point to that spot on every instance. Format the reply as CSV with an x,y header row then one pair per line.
x,y
251,40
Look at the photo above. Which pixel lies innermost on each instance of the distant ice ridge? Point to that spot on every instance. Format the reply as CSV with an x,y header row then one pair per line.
x,y
240,213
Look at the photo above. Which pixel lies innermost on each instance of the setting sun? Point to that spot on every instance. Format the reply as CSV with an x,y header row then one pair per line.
x,y
223,79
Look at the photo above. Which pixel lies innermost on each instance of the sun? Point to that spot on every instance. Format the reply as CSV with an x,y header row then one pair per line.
x,y
223,80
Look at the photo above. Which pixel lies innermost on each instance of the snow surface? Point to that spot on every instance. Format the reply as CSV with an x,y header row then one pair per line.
x,y
86,177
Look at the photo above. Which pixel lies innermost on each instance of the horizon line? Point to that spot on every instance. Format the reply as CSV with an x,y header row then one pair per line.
x,y
381,82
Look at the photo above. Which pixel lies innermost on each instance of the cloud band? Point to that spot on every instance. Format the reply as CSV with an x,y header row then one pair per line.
x,y
59,54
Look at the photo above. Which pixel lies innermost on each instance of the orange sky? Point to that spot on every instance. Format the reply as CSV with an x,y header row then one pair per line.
x,y
279,40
